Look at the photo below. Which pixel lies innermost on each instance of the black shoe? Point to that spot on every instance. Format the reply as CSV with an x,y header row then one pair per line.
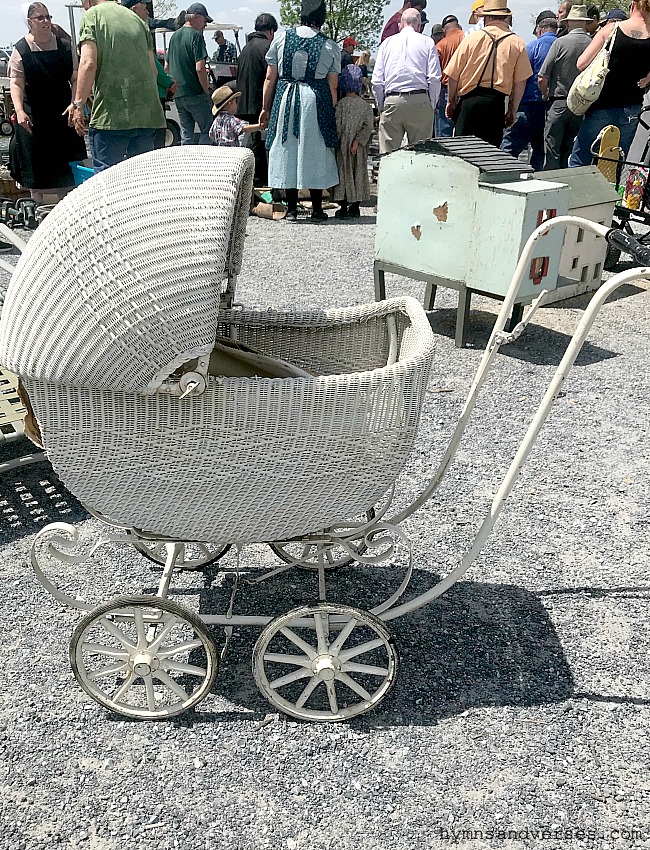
x,y
5,246
292,215
342,213
353,211
318,215
180,20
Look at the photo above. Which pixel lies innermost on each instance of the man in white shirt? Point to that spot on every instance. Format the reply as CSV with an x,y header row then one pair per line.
x,y
406,84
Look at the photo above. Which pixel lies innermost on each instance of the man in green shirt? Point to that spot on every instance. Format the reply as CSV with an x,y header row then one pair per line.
x,y
117,64
186,63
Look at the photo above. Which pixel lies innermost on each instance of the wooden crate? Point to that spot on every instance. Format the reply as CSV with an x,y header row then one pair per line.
x,y
8,188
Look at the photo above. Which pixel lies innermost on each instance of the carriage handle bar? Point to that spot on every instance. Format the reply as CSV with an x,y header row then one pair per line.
x,y
499,337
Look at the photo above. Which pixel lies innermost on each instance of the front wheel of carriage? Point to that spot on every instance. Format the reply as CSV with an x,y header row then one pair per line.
x,y
325,662
144,657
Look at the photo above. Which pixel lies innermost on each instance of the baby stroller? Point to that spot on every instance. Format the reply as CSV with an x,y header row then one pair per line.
x,y
181,457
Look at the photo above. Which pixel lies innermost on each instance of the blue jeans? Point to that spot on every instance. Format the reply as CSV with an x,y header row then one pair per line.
x,y
623,117
443,127
108,147
196,109
527,129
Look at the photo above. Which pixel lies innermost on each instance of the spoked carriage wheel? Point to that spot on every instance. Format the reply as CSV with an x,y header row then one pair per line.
x,y
192,556
325,662
144,657
306,555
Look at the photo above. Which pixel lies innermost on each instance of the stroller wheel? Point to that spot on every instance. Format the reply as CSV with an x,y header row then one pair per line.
x,y
144,657
306,556
325,662
192,556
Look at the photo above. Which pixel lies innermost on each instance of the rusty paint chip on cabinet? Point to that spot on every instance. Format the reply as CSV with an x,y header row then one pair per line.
x,y
441,211
416,230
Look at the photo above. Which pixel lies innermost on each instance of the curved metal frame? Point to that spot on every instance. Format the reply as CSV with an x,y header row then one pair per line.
x,y
390,610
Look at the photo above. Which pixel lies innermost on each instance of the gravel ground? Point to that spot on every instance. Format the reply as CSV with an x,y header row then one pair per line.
x,y
521,713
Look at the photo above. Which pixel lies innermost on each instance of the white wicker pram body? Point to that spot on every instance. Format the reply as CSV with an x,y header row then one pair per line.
x,y
252,459
100,317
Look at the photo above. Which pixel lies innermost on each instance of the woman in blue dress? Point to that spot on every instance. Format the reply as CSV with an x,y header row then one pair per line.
x,y
301,82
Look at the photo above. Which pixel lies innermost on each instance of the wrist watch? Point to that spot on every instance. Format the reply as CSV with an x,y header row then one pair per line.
x,y
77,104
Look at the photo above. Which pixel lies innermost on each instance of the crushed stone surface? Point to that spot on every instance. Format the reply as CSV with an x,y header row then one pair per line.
x,y
520,717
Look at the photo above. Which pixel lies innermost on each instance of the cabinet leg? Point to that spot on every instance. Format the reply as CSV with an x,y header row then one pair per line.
x,y
429,296
380,284
462,315
516,317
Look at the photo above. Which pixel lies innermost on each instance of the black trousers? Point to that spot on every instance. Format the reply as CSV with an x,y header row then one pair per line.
x,y
482,113
256,144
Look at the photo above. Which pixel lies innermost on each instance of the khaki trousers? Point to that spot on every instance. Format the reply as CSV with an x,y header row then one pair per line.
x,y
410,115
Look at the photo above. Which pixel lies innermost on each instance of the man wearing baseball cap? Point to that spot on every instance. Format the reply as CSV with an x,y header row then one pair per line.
x,y
186,60
613,15
453,35
531,115
349,45
555,78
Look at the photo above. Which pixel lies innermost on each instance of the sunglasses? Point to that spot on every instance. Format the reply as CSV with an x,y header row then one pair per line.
x,y
41,18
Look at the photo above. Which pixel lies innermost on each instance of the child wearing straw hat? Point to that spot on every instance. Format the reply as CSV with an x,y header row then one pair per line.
x,y
227,130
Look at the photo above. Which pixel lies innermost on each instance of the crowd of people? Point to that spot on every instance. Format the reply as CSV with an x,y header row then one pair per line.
x,y
303,103
493,85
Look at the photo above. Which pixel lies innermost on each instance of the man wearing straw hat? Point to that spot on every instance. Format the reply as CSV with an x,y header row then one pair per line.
x,y
555,78
489,66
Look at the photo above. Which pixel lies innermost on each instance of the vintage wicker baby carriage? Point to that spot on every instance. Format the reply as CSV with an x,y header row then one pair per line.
x,y
110,321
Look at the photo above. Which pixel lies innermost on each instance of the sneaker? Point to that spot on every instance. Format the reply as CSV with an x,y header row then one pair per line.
x,y
318,216
292,215
5,246
180,20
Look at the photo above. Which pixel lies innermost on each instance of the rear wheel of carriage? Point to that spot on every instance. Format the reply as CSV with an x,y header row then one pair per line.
x,y
325,662
192,556
144,657
306,555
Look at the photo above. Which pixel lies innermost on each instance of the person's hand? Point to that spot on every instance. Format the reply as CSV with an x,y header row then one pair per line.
x,y
264,118
643,82
449,109
24,120
171,91
354,147
79,121
69,112
510,118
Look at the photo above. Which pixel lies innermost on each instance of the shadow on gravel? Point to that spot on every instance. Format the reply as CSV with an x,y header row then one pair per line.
x,y
581,301
479,645
31,497
539,345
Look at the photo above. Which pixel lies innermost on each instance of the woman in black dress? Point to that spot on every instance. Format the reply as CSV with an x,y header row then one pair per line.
x,y
41,72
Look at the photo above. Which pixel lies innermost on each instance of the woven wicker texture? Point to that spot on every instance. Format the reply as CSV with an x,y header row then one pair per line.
x,y
121,283
12,412
253,459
